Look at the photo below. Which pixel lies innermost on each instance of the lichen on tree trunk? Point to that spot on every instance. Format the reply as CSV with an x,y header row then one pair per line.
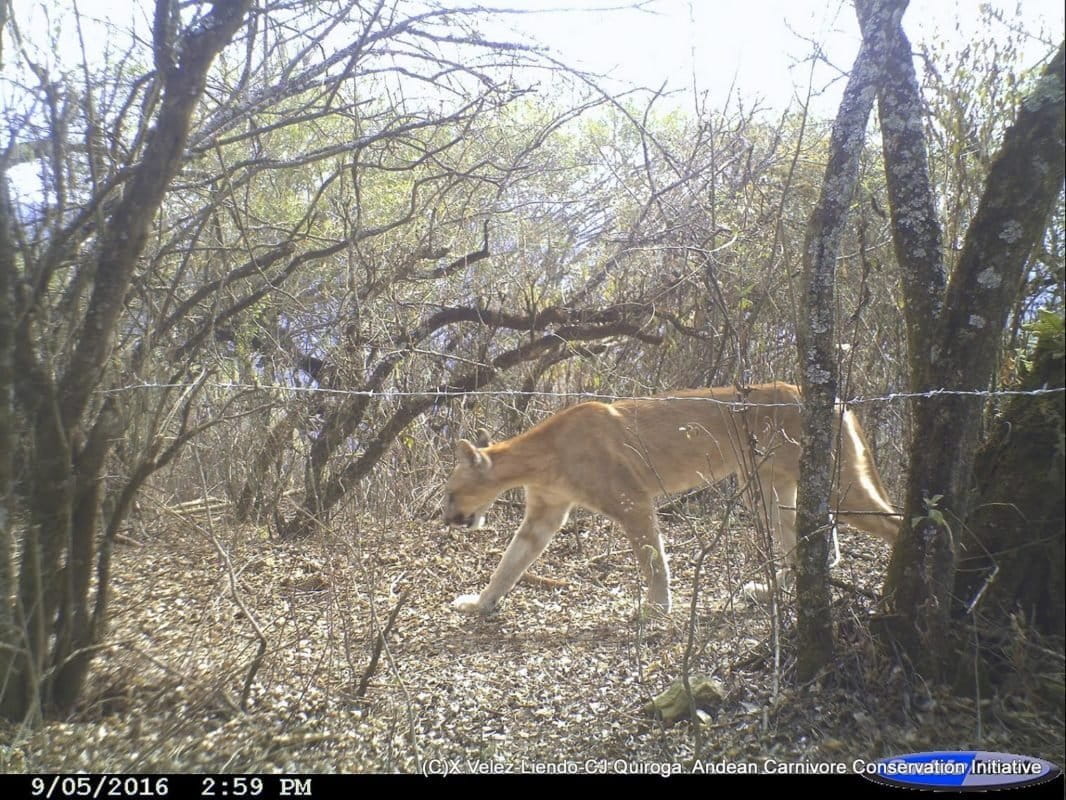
x,y
817,343
955,331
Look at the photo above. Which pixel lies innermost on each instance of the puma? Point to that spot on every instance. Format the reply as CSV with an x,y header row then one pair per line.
x,y
617,458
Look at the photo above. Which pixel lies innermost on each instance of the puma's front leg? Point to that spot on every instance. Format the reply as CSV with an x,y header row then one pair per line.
x,y
541,522
642,530
779,506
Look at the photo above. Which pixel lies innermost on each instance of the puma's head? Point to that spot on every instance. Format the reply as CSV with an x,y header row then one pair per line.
x,y
470,489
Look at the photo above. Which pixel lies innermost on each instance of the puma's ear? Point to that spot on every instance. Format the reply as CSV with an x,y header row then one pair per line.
x,y
467,453
482,439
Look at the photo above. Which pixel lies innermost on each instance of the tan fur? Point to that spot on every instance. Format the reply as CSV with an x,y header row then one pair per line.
x,y
616,459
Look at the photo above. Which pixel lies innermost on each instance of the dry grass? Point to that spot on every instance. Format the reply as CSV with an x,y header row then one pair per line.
x,y
557,677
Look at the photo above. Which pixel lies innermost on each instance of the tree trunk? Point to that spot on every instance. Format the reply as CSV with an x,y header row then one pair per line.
x,y
957,348
1012,552
817,345
52,632
10,637
917,241
253,495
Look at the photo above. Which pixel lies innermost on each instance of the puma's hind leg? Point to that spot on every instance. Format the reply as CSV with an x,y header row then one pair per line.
x,y
542,520
861,500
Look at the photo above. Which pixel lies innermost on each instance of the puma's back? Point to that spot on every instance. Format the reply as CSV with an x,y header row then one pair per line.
x,y
657,445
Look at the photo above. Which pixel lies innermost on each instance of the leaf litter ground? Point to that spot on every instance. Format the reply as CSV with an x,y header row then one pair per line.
x,y
557,680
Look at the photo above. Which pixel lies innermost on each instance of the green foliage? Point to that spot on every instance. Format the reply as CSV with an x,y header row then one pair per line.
x,y
1049,329
933,513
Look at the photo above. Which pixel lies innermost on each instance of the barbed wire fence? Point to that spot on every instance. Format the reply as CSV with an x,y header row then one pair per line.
x,y
378,489
566,395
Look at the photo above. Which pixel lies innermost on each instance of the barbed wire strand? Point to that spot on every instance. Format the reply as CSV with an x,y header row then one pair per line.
x,y
446,393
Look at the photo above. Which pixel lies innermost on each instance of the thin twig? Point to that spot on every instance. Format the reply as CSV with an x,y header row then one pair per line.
x,y
379,644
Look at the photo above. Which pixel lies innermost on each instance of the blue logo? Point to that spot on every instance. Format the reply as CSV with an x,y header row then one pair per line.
x,y
959,769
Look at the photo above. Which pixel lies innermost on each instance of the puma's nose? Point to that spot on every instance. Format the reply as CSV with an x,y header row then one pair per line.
x,y
461,520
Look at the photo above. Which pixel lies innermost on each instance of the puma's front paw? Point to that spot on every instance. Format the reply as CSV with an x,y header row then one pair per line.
x,y
467,603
